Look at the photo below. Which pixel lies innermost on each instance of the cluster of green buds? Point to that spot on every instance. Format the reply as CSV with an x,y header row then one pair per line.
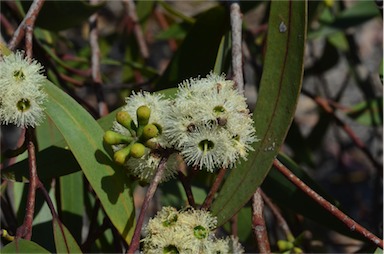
x,y
139,138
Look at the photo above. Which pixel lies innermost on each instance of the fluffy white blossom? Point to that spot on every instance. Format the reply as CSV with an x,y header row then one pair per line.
x,y
185,231
210,123
21,97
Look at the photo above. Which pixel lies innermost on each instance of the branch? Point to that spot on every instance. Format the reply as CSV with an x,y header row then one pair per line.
x,y
96,73
323,103
237,64
25,230
258,223
26,28
185,181
280,219
351,224
215,187
148,197
137,28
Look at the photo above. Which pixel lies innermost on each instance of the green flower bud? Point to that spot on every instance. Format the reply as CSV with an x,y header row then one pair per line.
x,y
152,145
284,245
297,250
125,120
150,131
143,113
137,150
114,138
121,155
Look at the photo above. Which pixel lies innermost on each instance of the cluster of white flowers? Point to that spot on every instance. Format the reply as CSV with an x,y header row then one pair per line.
x,y
21,97
188,231
208,122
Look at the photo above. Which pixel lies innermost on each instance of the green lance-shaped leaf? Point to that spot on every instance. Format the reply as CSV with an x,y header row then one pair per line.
x,y
275,107
23,246
84,137
64,241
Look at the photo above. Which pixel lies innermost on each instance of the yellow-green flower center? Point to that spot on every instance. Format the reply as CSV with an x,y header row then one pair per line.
x,y
19,75
23,105
206,145
172,218
200,232
170,249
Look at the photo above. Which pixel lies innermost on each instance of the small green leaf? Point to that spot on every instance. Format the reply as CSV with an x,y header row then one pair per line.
x,y
275,107
223,55
23,246
64,241
368,112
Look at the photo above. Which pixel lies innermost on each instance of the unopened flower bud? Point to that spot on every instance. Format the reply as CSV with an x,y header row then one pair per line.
x,y
143,114
284,245
125,120
150,131
137,150
121,155
114,138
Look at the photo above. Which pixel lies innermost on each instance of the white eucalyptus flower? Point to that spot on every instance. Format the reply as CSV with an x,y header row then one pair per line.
x,y
210,123
21,97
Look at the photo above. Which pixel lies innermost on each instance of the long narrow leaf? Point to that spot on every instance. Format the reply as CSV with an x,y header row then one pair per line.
x,y
276,104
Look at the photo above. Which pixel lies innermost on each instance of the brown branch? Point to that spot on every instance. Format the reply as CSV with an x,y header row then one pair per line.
x,y
7,25
96,73
137,28
350,223
159,15
215,187
26,28
187,188
148,197
258,223
237,64
25,230
323,103
280,219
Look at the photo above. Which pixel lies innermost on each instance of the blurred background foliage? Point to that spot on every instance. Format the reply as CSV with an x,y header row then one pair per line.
x,y
342,87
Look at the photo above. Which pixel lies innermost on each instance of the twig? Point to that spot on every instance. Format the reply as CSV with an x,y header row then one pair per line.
x,y
215,187
48,199
187,188
237,64
280,219
137,28
258,223
148,197
323,103
164,25
351,224
6,24
26,27
25,230
96,73
234,225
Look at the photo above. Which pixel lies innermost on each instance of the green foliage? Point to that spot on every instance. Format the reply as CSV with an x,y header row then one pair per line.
x,y
76,165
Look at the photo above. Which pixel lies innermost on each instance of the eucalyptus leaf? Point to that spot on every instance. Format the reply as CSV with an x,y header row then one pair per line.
x,y
84,137
275,107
